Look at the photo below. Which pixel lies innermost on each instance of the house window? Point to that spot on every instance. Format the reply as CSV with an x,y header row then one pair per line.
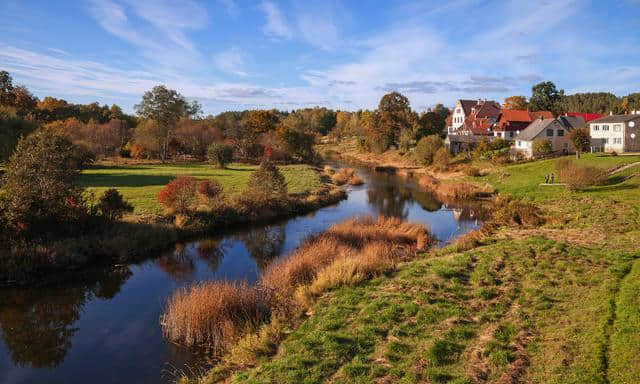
x,y
549,132
519,143
605,141
510,133
560,132
617,128
617,140
595,127
605,127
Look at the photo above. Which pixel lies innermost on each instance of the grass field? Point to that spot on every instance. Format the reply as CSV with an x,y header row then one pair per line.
x,y
140,183
554,304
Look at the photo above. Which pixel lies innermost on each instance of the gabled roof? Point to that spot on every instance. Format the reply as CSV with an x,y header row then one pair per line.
x,y
534,129
537,126
615,119
468,105
518,119
539,114
572,122
586,116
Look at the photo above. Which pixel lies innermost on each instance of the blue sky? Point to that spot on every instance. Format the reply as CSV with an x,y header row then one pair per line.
x,y
233,54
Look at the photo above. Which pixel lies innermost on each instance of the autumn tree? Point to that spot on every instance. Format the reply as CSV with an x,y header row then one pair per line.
x,y
298,142
261,121
165,107
546,97
40,191
515,103
12,128
430,123
6,89
395,116
581,140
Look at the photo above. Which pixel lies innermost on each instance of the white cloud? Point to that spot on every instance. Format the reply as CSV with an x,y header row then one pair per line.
x,y
276,25
318,22
163,40
230,61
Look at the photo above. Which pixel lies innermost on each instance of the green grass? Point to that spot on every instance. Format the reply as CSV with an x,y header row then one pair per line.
x,y
556,304
140,184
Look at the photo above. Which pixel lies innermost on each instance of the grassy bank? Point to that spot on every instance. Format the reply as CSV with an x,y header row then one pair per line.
x,y
548,303
148,231
140,184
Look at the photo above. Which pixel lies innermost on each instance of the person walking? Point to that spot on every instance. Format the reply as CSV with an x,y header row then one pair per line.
x,y
546,178
552,178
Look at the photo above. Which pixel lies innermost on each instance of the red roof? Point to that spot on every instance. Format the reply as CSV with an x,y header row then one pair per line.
x,y
518,119
586,116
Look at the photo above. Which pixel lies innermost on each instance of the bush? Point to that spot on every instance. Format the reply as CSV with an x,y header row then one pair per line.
x,y
442,159
220,154
137,152
541,147
577,176
40,191
427,148
179,196
112,205
267,182
472,171
210,192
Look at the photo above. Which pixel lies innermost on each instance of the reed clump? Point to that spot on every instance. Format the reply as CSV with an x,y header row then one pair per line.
x,y
219,314
348,252
214,314
342,176
355,180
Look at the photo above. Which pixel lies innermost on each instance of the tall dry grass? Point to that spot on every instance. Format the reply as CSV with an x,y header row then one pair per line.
x,y
342,176
348,252
218,314
214,314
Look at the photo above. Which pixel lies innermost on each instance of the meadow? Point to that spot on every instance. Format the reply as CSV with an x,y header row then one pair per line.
x,y
551,303
140,184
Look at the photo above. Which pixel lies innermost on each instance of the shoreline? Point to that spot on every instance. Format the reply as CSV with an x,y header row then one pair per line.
x,y
132,241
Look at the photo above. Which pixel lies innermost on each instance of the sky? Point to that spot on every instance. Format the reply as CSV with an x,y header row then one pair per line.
x,y
235,55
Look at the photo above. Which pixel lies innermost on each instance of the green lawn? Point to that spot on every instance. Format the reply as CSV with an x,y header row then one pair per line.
x,y
140,183
555,304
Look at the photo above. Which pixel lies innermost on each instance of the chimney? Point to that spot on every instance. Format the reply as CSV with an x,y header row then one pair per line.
x,y
479,101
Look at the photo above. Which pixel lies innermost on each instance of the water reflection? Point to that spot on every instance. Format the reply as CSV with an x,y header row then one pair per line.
x,y
178,265
117,338
264,244
38,324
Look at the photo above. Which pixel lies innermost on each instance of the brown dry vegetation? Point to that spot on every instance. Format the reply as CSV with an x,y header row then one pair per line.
x,y
213,314
342,176
218,314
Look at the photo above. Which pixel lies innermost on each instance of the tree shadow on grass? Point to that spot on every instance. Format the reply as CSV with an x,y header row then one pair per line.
x,y
120,180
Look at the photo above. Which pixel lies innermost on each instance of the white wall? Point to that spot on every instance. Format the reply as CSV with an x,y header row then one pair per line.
x,y
614,135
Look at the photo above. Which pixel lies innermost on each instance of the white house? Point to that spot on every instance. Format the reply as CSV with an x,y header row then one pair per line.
x,y
463,110
555,130
615,133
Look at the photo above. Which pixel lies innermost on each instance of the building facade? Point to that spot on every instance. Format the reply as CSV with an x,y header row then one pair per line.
x,y
555,130
615,133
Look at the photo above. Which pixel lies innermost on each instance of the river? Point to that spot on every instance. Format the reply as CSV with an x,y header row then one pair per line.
x,y
102,326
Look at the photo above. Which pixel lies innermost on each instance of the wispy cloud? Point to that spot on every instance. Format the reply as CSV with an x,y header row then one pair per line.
x,y
231,61
276,25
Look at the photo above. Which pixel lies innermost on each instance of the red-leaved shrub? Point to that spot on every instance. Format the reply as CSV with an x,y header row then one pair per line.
x,y
179,196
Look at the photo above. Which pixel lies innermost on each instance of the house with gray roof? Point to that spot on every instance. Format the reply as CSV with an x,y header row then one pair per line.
x,y
615,133
555,130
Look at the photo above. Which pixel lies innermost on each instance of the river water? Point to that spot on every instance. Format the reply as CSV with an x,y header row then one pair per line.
x,y
102,326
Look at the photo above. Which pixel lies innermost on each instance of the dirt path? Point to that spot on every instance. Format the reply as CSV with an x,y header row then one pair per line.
x,y
624,168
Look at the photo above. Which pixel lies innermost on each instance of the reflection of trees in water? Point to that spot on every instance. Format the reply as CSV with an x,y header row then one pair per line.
x,y
388,198
391,197
264,244
212,252
177,265
37,323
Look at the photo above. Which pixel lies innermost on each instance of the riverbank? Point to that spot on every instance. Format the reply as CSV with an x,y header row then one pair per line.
x,y
547,301
147,232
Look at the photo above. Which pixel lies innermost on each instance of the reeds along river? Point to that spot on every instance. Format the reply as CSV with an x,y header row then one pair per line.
x,y
102,325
